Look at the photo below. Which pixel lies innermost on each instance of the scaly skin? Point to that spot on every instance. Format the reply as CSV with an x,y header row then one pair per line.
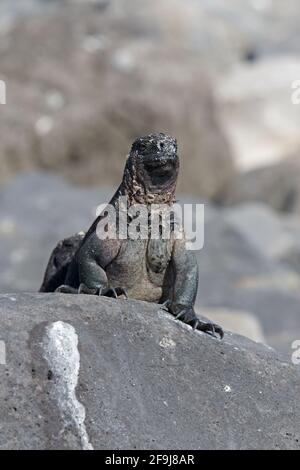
x,y
156,270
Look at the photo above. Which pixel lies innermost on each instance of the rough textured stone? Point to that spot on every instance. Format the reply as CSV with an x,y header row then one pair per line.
x,y
144,380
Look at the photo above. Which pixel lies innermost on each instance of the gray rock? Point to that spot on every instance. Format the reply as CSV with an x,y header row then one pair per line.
x,y
275,185
263,228
259,115
291,259
35,212
85,372
273,235
236,275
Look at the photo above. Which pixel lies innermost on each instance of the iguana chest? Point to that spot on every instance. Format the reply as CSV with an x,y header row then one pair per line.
x,y
140,267
158,256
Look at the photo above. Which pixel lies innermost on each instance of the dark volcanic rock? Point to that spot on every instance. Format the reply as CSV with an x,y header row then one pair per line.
x,y
136,379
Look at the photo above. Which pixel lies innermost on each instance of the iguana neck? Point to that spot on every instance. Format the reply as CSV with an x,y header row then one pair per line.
x,y
137,194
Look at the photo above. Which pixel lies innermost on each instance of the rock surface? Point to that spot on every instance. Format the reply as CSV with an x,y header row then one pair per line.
x,y
87,372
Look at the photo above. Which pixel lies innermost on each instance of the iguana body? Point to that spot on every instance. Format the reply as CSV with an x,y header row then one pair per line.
x,y
156,270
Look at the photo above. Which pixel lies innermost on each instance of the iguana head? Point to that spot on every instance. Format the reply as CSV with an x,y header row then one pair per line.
x,y
151,169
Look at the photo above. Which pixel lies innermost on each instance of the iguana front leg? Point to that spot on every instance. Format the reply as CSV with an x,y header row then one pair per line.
x,y
91,261
92,277
184,292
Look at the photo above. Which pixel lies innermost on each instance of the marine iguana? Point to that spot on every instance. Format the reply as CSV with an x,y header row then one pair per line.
x,y
155,270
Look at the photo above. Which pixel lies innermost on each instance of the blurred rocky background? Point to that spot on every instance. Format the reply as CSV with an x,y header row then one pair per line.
x,y
84,78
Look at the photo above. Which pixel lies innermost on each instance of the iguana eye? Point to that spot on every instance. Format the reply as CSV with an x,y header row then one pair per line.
x,y
142,147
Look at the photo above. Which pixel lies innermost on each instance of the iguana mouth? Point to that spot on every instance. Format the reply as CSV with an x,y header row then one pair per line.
x,y
159,165
162,174
160,170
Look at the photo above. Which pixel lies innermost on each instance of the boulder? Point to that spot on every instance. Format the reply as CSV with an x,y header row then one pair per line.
x,y
261,111
36,211
239,271
271,234
81,372
277,186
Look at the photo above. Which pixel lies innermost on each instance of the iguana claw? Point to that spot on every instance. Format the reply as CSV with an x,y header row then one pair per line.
x,y
114,292
188,316
64,289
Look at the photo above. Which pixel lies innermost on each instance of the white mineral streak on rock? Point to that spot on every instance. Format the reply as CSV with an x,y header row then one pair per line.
x,y
60,346
167,343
